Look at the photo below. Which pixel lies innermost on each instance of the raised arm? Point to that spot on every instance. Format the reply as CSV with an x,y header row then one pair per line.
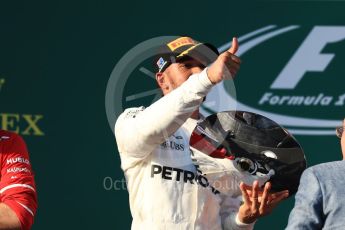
x,y
139,131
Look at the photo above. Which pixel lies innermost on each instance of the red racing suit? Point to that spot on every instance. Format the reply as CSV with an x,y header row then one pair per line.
x,y
17,184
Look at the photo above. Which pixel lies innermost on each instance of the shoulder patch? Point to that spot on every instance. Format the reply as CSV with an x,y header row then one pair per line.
x,y
4,138
132,112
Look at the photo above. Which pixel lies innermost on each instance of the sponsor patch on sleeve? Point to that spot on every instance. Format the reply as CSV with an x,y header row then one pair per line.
x,y
131,113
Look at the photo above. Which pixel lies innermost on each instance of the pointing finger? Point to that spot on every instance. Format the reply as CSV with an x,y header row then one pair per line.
x,y
234,46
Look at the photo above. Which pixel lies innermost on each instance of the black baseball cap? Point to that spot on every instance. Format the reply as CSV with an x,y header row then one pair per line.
x,y
183,48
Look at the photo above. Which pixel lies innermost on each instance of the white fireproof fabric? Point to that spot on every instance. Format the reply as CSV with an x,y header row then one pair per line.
x,y
166,180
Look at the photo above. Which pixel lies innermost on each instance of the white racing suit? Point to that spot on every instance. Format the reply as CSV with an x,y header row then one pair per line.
x,y
167,188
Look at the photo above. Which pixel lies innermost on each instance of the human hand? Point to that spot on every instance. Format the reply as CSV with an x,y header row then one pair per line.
x,y
226,65
258,201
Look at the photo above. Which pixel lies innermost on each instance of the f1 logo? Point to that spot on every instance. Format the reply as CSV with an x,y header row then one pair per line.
x,y
308,57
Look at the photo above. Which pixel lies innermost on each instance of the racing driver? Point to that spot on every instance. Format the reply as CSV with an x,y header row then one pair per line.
x,y
166,190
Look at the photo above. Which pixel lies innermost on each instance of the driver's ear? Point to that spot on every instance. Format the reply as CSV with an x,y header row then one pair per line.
x,y
160,80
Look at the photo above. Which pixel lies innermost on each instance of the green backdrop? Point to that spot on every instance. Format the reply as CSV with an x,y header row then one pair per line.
x,y
55,61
